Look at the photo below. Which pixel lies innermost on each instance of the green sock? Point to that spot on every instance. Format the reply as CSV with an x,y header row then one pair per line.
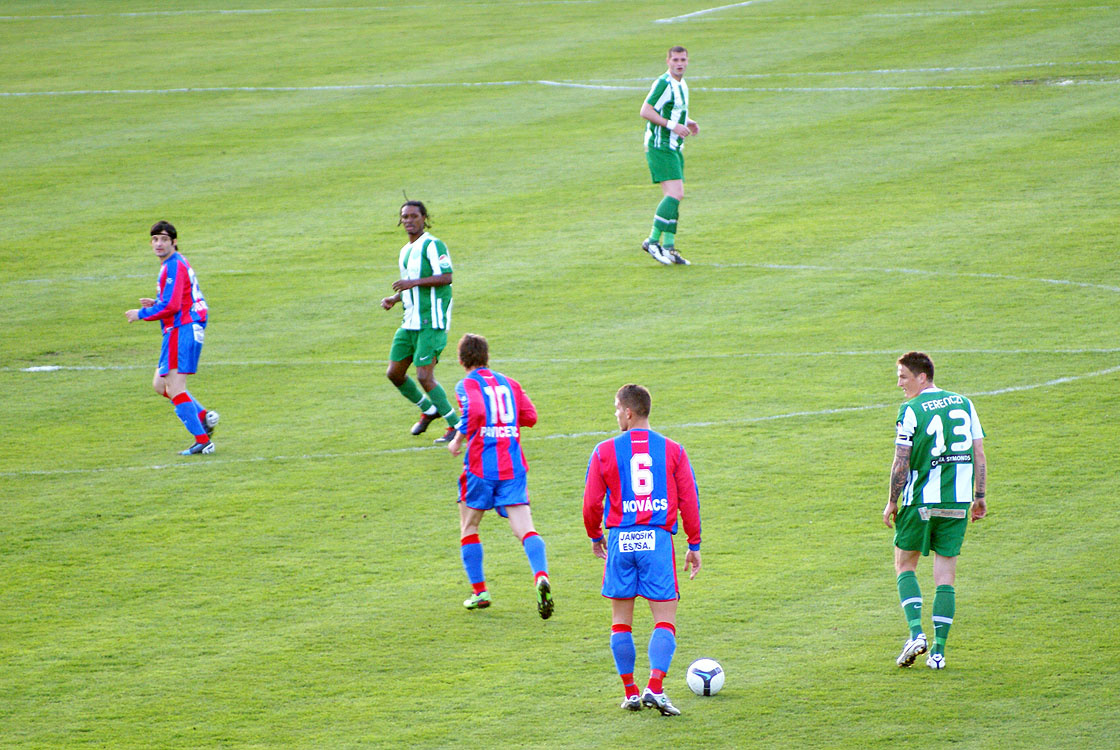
x,y
411,391
665,218
667,239
944,605
910,595
446,410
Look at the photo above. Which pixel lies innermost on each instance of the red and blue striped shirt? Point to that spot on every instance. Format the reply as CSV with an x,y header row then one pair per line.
x,y
180,301
494,408
647,480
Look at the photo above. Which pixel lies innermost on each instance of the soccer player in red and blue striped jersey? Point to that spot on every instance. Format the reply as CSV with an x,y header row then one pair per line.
x,y
181,311
494,408
647,481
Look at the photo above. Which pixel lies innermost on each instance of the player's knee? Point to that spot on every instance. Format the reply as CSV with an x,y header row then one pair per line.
x,y
427,380
395,377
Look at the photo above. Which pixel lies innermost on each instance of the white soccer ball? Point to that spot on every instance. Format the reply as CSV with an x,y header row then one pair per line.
x,y
704,677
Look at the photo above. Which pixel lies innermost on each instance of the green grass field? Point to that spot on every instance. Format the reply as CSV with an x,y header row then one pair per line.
x,y
870,177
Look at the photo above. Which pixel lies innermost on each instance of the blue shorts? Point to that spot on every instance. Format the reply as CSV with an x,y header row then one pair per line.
x,y
640,562
492,494
182,346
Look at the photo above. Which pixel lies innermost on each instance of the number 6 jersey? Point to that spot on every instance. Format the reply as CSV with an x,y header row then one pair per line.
x,y
939,426
646,479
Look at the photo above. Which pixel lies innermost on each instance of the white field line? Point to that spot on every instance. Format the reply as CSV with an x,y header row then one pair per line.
x,y
695,14
198,12
265,11
912,271
268,89
555,84
916,14
118,277
925,87
576,360
687,16
194,463
877,71
772,266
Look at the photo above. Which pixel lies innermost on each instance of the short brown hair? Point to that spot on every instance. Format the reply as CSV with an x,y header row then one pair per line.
x,y
917,362
164,227
636,398
473,351
678,48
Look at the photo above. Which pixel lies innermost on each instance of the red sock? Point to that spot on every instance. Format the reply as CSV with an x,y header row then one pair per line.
x,y
628,683
655,678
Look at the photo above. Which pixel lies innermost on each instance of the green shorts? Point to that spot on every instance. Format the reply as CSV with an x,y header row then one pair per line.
x,y
665,164
423,346
937,527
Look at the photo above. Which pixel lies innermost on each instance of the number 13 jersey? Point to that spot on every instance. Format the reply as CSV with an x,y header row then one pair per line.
x,y
939,426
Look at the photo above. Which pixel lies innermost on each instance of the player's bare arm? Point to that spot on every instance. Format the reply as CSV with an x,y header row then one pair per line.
x,y
900,470
649,113
388,302
980,469
442,279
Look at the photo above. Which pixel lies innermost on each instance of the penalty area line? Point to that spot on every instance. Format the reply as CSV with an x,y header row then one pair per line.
x,y
531,439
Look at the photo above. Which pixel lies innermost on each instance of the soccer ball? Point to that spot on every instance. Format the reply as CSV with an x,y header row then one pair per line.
x,y
704,677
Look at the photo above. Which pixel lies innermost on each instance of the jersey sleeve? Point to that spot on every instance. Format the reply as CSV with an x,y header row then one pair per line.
x,y
688,499
438,257
464,406
977,430
655,91
170,297
526,411
905,426
594,490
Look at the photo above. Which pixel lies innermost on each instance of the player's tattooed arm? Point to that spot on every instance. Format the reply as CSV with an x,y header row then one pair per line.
x,y
900,470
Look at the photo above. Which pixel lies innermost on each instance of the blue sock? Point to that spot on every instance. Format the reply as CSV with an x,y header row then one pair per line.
x,y
188,414
534,550
197,405
662,646
622,646
471,552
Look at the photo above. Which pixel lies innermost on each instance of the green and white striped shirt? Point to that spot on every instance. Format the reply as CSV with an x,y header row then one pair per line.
x,y
940,427
425,306
670,98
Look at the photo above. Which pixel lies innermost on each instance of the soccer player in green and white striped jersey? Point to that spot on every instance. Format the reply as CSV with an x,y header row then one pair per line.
x,y
667,125
424,289
938,480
